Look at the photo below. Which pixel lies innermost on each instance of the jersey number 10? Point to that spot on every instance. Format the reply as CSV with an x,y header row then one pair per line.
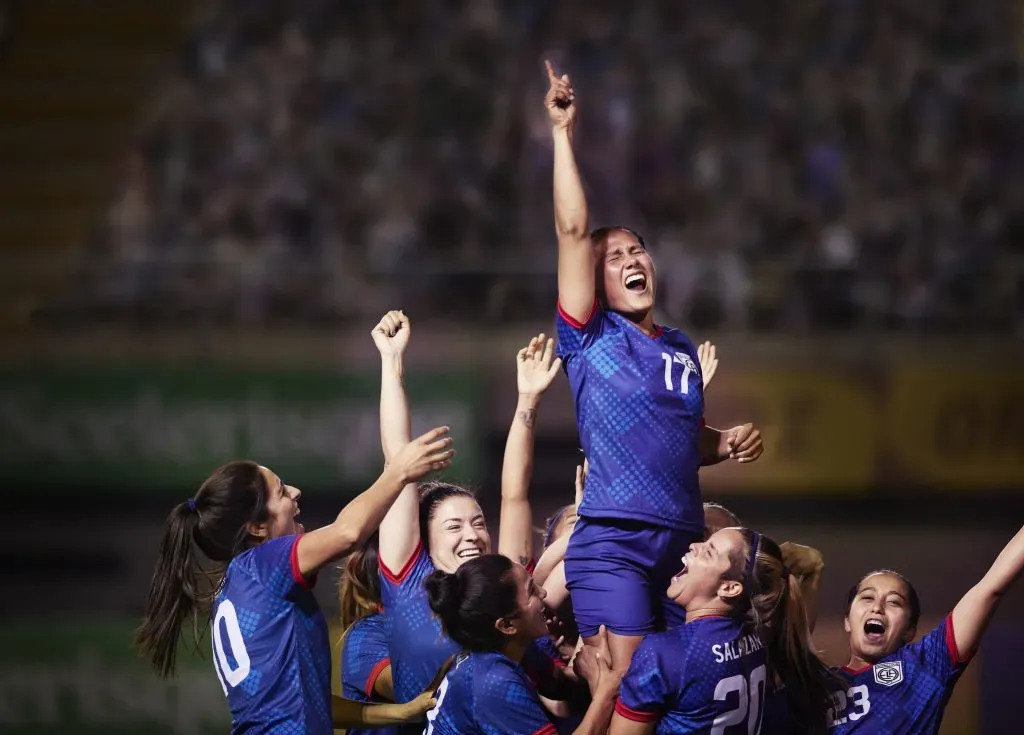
x,y
678,358
228,674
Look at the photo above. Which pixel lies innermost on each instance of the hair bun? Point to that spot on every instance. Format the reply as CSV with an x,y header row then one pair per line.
x,y
444,593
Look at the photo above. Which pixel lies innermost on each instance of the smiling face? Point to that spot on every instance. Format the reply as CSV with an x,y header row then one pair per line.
x,y
709,576
879,619
282,503
528,623
457,533
627,275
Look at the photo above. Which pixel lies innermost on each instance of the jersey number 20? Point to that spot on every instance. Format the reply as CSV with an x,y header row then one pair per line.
x,y
228,674
749,709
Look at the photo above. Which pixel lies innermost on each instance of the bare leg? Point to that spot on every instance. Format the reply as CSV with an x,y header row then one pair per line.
x,y
622,647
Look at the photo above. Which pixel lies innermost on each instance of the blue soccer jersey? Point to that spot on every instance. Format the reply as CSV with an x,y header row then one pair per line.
x,y
418,646
488,694
702,677
903,694
639,408
271,649
364,655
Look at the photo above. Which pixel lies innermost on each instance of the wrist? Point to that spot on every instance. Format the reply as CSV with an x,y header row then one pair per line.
x,y
565,131
528,401
394,362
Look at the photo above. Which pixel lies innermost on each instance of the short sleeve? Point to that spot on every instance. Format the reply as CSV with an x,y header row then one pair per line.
x,y
506,704
574,336
394,583
938,654
364,655
644,690
275,565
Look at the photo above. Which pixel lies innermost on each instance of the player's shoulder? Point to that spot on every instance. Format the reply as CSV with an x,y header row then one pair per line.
x,y
664,648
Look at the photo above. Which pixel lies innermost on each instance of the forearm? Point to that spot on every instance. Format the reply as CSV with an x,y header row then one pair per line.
x,y
553,556
360,518
1007,567
395,425
598,717
346,713
571,216
515,534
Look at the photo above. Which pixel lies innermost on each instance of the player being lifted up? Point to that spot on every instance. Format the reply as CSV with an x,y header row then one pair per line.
x,y
639,408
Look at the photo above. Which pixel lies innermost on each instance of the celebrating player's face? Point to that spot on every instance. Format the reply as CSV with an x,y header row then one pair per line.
x,y
457,533
529,618
706,568
628,274
879,617
282,506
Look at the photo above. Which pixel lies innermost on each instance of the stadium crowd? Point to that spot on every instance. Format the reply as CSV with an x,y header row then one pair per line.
x,y
799,166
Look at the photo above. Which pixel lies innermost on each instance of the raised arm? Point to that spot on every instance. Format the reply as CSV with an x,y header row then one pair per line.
x,y
575,252
807,565
400,530
536,368
972,614
360,518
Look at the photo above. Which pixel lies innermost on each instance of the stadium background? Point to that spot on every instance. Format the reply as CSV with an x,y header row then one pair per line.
x,y
205,206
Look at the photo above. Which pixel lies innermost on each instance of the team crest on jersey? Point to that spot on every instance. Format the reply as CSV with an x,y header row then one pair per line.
x,y
889,674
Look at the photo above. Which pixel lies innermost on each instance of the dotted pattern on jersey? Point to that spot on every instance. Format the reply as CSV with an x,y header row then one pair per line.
x,y
365,645
674,674
489,694
641,435
914,705
287,689
418,646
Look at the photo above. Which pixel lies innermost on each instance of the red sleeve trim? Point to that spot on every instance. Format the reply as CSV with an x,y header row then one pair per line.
x,y
954,652
531,567
548,729
575,323
703,422
300,579
635,715
406,568
371,680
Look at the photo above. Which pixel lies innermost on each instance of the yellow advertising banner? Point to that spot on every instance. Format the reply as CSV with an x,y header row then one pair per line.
x,y
828,431
818,431
957,428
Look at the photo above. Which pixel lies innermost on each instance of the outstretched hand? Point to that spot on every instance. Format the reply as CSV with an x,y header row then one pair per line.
x,y
560,100
708,362
537,366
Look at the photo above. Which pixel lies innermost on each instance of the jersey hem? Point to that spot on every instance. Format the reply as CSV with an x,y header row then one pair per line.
x,y
300,579
615,514
375,672
406,568
634,715
576,323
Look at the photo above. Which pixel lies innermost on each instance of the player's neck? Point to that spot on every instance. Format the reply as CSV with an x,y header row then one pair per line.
x,y
514,649
644,322
705,610
857,663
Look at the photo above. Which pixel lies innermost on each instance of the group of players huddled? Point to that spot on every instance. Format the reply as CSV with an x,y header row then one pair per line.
x,y
646,611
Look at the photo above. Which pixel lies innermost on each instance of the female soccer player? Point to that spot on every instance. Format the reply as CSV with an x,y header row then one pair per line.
x,y
639,407
270,645
898,687
441,526
745,636
493,610
365,661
